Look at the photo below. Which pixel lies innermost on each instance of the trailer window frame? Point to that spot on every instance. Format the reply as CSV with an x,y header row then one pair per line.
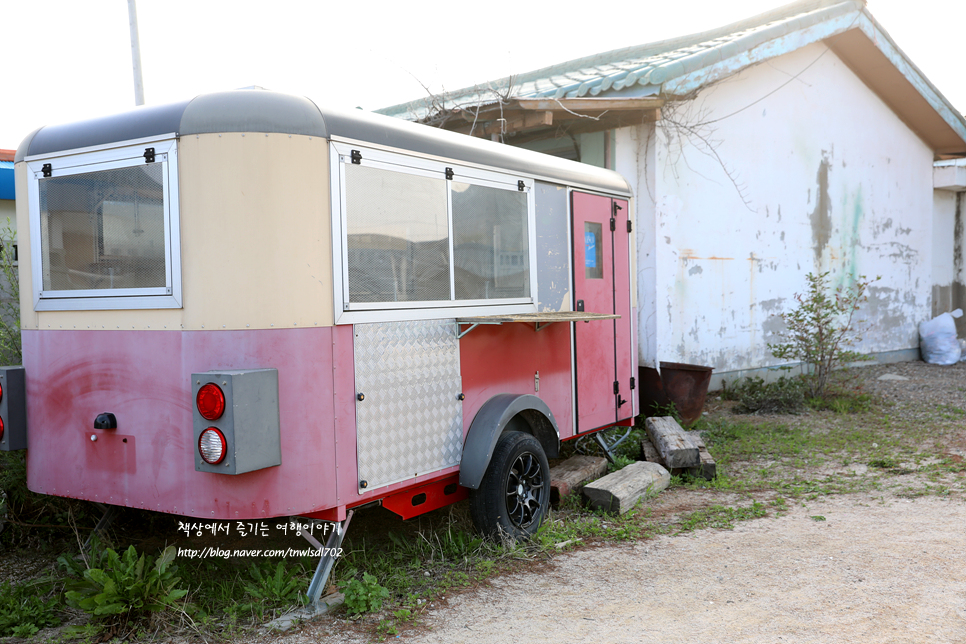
x,y
104,158
348,311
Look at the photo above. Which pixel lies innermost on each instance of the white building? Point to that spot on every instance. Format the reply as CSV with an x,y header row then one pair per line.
x,y
801,140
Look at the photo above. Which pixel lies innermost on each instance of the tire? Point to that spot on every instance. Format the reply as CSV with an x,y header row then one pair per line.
x,y
514,496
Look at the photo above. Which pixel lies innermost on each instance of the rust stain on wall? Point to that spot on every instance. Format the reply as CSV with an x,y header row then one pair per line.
x,y
821,217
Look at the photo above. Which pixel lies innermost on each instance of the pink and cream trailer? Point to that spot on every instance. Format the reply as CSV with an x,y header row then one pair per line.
x,y
242,307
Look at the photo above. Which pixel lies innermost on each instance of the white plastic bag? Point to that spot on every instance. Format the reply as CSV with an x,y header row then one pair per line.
x,y
937,339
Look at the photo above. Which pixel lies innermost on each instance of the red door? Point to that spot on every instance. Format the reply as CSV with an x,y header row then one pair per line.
x,y
604,349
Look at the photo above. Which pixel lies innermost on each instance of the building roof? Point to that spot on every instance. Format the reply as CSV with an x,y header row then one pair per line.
x,y
645,76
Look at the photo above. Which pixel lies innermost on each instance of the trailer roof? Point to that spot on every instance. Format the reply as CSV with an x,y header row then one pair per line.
x,y
272,112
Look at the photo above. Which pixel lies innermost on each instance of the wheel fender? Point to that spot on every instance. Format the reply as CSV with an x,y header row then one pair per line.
x,y
525,413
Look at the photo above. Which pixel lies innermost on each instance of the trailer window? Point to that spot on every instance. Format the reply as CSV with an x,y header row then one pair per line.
x,y
490,248
397,236
102,231
420,234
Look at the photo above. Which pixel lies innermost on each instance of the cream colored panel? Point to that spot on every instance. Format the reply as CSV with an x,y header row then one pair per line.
x,y
28,318
255,231
255,239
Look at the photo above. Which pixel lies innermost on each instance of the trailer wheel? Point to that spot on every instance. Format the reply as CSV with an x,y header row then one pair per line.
x,y
514,495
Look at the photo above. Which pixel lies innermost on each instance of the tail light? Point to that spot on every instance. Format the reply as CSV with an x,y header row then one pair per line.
x,y
235,417
212,446
210,401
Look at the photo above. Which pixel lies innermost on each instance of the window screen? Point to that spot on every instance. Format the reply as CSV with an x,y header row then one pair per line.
x,y
490,247
103,230
398,236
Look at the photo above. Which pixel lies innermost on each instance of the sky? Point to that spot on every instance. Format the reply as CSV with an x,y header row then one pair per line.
x,y
68,60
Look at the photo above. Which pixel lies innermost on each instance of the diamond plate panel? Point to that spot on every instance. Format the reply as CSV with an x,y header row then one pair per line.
x,y
410,421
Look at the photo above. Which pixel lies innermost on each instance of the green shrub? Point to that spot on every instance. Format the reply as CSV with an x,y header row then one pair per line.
x,y
755,396
27,608
125,585
364,596
820,330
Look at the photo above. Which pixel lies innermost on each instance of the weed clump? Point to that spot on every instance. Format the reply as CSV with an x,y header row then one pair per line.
x,y
27,608
783,396
124,587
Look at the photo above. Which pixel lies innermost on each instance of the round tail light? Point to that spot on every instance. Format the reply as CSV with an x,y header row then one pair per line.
x,y
212,446
211,401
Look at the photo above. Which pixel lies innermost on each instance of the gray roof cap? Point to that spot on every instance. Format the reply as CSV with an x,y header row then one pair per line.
x,y
273,112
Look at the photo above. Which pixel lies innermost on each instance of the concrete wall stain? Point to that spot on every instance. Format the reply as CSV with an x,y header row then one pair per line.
x,y
958,237
821,217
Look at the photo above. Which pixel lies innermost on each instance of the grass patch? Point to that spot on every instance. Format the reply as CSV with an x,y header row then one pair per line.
x,y
721,517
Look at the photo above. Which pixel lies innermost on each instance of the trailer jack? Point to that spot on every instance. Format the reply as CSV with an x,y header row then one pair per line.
x,y
327,561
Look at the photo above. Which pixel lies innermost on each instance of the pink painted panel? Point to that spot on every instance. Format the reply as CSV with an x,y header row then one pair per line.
x,y
624,327
504,359
594,285
143,377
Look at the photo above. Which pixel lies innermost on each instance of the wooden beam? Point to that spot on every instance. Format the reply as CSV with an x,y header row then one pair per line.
x,y
515,124
620,491
588,104
672,443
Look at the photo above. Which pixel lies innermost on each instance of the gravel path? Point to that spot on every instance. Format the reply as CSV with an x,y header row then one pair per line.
x,y
870,572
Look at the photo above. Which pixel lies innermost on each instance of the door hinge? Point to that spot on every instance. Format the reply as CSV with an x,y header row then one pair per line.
x,y
356,157
580,305
633,383
613,224
449,173
149,155
617,387
521,186
47,170
630,226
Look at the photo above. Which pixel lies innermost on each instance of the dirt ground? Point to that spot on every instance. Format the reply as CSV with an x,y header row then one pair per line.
x,y
870,568
849,568
871,571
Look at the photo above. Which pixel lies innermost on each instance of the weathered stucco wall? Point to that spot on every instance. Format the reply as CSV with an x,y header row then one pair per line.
x,y
948,278
790,167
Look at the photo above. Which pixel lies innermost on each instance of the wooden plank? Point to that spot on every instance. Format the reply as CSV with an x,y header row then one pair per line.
x,y
650,453
571,475
620,491
515,124
672,442
707,469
